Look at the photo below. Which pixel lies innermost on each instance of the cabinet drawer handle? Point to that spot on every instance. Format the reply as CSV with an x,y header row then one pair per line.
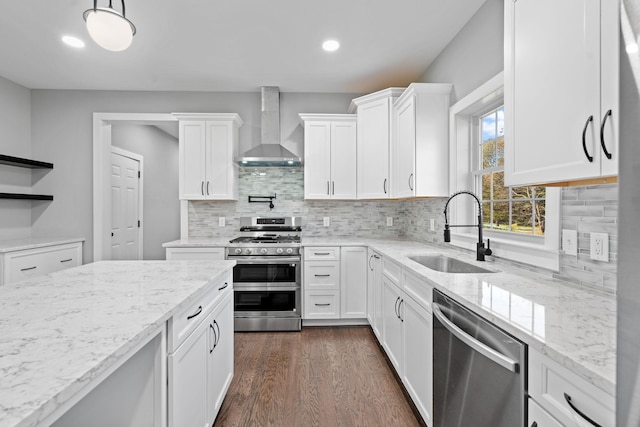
x,y
217,341
376,257
66,260
323,305
370,259
384,186
411,182
207,188
214,338
321,253
29,268
322,275
604,147
584,139
202,188
333,187
579,412
195,314
224,287
328,193
534,424
396,307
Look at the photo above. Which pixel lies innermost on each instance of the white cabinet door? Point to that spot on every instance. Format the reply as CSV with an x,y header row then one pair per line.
x,y
538,417
343,160
404,149
317,160
353,278
220,352
193,159
392,323
553,108
206,151
609,85
374,126
418,356
188,402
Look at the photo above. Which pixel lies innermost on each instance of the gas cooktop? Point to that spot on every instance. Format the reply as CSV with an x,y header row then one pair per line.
x,y
266,238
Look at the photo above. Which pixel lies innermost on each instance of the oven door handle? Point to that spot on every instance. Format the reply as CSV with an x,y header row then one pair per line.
x,y
265,261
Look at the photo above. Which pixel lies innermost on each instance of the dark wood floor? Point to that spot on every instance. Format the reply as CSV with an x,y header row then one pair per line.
x,y
318,377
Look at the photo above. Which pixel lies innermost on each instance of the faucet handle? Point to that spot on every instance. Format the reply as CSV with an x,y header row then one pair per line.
x,y
488,251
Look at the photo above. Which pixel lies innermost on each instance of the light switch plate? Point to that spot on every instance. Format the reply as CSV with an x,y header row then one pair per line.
x,y
389,221
326,221
432,224
221,221
600,247
570,242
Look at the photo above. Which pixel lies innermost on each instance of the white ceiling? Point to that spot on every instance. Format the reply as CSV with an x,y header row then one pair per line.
x,y
232,45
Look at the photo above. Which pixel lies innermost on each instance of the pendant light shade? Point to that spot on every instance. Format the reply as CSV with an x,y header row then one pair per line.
x,y
109,28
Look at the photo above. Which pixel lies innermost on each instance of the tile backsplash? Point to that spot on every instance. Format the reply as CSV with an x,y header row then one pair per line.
x,y
585,209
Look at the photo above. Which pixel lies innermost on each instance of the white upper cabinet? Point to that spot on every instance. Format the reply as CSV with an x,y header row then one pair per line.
x,y
561,91
208,144
329,156
420,143
374,138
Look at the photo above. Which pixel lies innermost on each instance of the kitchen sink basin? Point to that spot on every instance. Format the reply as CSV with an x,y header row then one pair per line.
x,y
445,264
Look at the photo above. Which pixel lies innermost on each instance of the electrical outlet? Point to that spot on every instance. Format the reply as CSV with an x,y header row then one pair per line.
x,y
432,224
326,221
600,247
570,242
389,221
221,221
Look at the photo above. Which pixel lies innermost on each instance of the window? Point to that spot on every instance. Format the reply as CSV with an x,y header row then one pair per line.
x,y
523,223
505,209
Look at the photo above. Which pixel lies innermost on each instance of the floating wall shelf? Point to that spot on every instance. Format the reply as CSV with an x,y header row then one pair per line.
x,y
29,164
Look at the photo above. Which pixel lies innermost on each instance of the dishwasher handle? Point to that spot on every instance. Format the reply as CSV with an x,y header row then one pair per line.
x,y
478,346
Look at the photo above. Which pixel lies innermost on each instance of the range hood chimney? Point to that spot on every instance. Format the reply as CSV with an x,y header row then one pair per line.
x,y
269,153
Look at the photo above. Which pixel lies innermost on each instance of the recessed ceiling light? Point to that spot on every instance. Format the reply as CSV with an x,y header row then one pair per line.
x,y
331,45
73,42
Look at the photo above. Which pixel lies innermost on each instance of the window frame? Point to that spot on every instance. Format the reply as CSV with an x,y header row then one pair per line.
x,y
464,123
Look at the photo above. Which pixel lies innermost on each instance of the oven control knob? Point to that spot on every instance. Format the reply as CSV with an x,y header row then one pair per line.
x,y
289,250
247,251
279,250
263,251
238,251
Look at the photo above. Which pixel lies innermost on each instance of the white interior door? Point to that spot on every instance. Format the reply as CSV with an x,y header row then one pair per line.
x,y
125,212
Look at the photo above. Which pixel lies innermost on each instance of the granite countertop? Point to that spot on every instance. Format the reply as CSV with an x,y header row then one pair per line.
x,y
35,242
60,331
574,326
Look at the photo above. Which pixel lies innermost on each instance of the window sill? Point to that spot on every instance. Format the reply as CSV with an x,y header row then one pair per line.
x,y
536,255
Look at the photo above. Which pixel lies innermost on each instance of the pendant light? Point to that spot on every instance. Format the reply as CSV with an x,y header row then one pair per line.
x,y
109,28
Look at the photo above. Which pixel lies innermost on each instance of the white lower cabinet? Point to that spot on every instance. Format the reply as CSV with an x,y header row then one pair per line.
x,y
335,283
407,335
205,254
538,417
27,263
417,353
200,357
566,396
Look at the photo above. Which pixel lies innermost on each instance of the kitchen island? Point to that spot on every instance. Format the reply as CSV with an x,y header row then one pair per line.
x,y
63,334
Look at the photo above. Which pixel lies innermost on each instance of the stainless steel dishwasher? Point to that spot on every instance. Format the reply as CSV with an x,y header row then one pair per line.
x,y
479,371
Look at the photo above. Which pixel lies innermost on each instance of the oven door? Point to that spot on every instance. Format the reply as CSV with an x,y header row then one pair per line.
x,y
256,301
272,273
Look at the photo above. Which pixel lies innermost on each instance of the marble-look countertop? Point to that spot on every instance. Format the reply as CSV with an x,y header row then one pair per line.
x,y
198,243
60,331
574,326
34,242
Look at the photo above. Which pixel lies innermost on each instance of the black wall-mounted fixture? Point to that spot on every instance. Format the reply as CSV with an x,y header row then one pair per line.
x,y
263,199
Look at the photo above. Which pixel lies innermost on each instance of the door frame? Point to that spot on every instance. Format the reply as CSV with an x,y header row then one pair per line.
x,y
102,175
140,159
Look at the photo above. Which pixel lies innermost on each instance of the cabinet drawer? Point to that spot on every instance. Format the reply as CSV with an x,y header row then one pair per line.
x,y
540,417
392,270
183,323
21,265
321,275
418,289
64,257
549,382
322,253
322,305
178,254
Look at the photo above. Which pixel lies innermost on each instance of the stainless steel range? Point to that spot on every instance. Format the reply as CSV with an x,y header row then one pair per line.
x,y
267,277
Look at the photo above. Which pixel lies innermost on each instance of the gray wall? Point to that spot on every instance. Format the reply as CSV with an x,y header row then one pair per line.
x,y
161,212
474,55
15,140
62,134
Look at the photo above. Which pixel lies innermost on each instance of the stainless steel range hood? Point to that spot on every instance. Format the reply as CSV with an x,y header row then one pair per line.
x,y
269,153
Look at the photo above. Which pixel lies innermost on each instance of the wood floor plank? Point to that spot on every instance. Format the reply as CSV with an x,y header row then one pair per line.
x,y
317,377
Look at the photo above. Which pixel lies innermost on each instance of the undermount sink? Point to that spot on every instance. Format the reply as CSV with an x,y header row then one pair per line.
x,y
445,264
